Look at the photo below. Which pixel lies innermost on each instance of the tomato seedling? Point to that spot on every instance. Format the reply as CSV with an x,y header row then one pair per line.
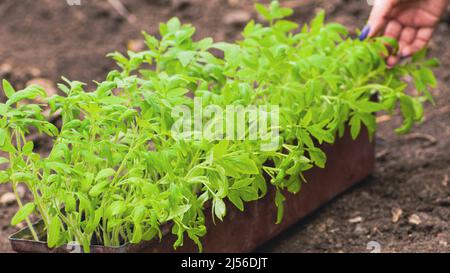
x,y
115,173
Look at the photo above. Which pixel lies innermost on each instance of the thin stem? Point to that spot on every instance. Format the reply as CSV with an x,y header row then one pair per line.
x,y
30,225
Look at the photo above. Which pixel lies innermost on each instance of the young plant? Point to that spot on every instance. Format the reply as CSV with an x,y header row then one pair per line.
x,y
116,174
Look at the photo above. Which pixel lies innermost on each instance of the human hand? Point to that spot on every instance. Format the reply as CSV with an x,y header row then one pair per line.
x,y
411,22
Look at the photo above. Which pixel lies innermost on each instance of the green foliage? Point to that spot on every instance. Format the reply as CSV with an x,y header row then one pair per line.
x,y
115,173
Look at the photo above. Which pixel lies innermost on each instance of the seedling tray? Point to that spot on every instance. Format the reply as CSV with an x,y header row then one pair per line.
x,y
349,161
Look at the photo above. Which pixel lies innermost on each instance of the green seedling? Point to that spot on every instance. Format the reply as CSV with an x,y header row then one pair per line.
x,y
115,174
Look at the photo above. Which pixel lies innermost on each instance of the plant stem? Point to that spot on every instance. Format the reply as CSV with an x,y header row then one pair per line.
x,y
30,225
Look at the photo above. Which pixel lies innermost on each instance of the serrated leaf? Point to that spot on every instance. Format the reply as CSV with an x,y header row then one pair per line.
x,y
318,157
238,165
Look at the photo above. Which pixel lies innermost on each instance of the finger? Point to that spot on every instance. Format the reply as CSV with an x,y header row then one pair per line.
x,y
411,15
393,29
407,37
392,60
425,34
379,16
421,40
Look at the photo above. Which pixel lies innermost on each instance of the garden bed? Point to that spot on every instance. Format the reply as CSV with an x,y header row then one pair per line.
x,y
245,231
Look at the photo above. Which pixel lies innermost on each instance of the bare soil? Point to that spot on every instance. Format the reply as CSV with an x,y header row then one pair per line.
x,y
46,39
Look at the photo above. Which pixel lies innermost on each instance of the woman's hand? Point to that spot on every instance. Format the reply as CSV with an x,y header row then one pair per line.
x,y
411,22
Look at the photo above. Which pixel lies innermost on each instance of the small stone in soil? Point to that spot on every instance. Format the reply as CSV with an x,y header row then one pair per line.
x,y
445,181
444,202
5,69
48,85
136,45
21,191
237,18
35,72
360,230
355,220
7,199
396,213
414,219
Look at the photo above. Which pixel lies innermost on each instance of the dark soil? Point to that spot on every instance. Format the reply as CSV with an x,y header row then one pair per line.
x,y
47,39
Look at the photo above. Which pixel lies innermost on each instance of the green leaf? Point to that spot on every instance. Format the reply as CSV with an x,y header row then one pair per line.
x,y
186,57
70,203
306,139
369,107
23,213
27,149
3,160
130,113
233,196
238,165
220,149
249,194
105,173
116,209
22,177
3,136
137,234
279,202
263,11
337,28
98,189
173,24
54,232
30,93
307,118
139,213
355,126
320,134
4,177
8,89
219,208
317,22
318,157
285,26
427,77
407,109
420,55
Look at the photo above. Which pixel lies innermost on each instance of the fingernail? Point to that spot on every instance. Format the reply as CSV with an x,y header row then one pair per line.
x,y
364,33
405,54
